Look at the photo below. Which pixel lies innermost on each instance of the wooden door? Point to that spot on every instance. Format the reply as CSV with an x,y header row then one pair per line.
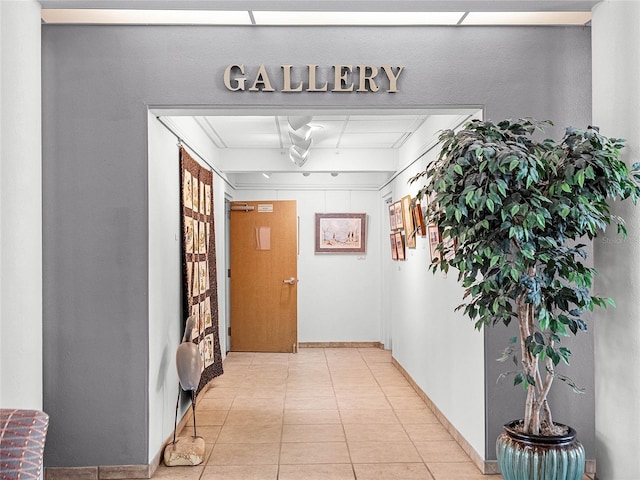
x,y
264,276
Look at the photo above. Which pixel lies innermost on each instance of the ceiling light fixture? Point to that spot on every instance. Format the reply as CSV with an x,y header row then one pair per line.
x,y
263,17
112,16
527,18
103,16
298,157
298,122
266,175
334,174
301,144
300,135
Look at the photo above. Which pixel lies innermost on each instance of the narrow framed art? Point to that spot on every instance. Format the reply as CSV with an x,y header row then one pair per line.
x,y
394,249
399,245
392,216
418,218
341,233
433,235
397,209
409,229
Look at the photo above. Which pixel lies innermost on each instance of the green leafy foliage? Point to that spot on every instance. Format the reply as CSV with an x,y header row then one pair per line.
x,y
517,208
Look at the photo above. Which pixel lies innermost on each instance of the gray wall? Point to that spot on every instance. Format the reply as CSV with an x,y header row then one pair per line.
x,y
97,83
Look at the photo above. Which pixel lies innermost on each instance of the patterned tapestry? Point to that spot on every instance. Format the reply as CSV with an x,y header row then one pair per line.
x,y
200,292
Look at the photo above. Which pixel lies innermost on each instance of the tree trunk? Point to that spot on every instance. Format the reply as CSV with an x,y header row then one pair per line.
x,y
533,405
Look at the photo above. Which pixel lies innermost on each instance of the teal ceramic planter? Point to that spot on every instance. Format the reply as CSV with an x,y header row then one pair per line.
x,y
534,457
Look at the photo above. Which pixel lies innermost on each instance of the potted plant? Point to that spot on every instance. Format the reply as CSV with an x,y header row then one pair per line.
x,y
511,211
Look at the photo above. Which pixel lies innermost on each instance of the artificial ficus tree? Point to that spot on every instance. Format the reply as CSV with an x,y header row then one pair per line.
x,y
518,208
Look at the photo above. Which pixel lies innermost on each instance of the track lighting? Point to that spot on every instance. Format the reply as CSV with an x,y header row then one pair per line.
x,y
300,135
303,134
297,122
298,156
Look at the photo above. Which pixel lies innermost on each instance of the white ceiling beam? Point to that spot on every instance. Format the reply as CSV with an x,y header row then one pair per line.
x,y
311,181
242,160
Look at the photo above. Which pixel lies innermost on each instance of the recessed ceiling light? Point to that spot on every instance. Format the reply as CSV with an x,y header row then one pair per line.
x,y
527,18
240,17
356,18
146,17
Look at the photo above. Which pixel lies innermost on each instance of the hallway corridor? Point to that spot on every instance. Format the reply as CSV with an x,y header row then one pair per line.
x,y
321,414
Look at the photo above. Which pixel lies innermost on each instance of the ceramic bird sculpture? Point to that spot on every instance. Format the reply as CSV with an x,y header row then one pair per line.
x,y
189,365
188,360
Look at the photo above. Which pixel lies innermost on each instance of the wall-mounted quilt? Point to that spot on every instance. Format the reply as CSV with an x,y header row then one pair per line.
x,y
200,292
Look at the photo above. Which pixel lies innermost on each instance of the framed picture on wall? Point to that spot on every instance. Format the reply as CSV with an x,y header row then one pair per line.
x,y
392,216
418,218
407,216
394,250
433,234
400,245
341,232
397,207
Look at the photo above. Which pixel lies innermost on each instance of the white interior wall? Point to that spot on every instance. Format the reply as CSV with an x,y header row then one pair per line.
x,y
165,269
437,346
164,282
20,207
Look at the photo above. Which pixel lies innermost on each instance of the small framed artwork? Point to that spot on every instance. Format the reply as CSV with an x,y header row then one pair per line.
x,y
433,235
394,250
392,216
341,232
400,245
397,207
418,218
409,229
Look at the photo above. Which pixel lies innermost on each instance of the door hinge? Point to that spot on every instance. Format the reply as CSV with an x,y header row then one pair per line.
x,y
228,331
228,273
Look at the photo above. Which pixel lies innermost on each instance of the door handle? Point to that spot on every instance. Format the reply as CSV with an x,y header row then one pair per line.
x,y
290,281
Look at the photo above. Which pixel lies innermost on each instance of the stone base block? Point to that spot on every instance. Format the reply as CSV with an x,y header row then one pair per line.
x,y
185,451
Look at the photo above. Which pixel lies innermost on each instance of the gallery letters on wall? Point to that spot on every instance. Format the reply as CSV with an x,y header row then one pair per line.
x,y
200,290
312,78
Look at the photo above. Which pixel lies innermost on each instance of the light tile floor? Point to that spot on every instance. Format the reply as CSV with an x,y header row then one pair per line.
x,y
320,414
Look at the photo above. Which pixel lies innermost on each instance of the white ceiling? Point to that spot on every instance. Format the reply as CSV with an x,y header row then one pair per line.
x,y
350,149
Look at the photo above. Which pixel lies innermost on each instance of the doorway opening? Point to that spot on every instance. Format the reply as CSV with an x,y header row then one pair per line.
x,y
356,159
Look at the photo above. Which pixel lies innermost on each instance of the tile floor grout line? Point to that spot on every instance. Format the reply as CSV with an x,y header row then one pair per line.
x,y
402,425
238,384
344,432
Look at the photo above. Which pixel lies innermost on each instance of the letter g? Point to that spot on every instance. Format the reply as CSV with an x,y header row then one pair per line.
x,y
238,82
